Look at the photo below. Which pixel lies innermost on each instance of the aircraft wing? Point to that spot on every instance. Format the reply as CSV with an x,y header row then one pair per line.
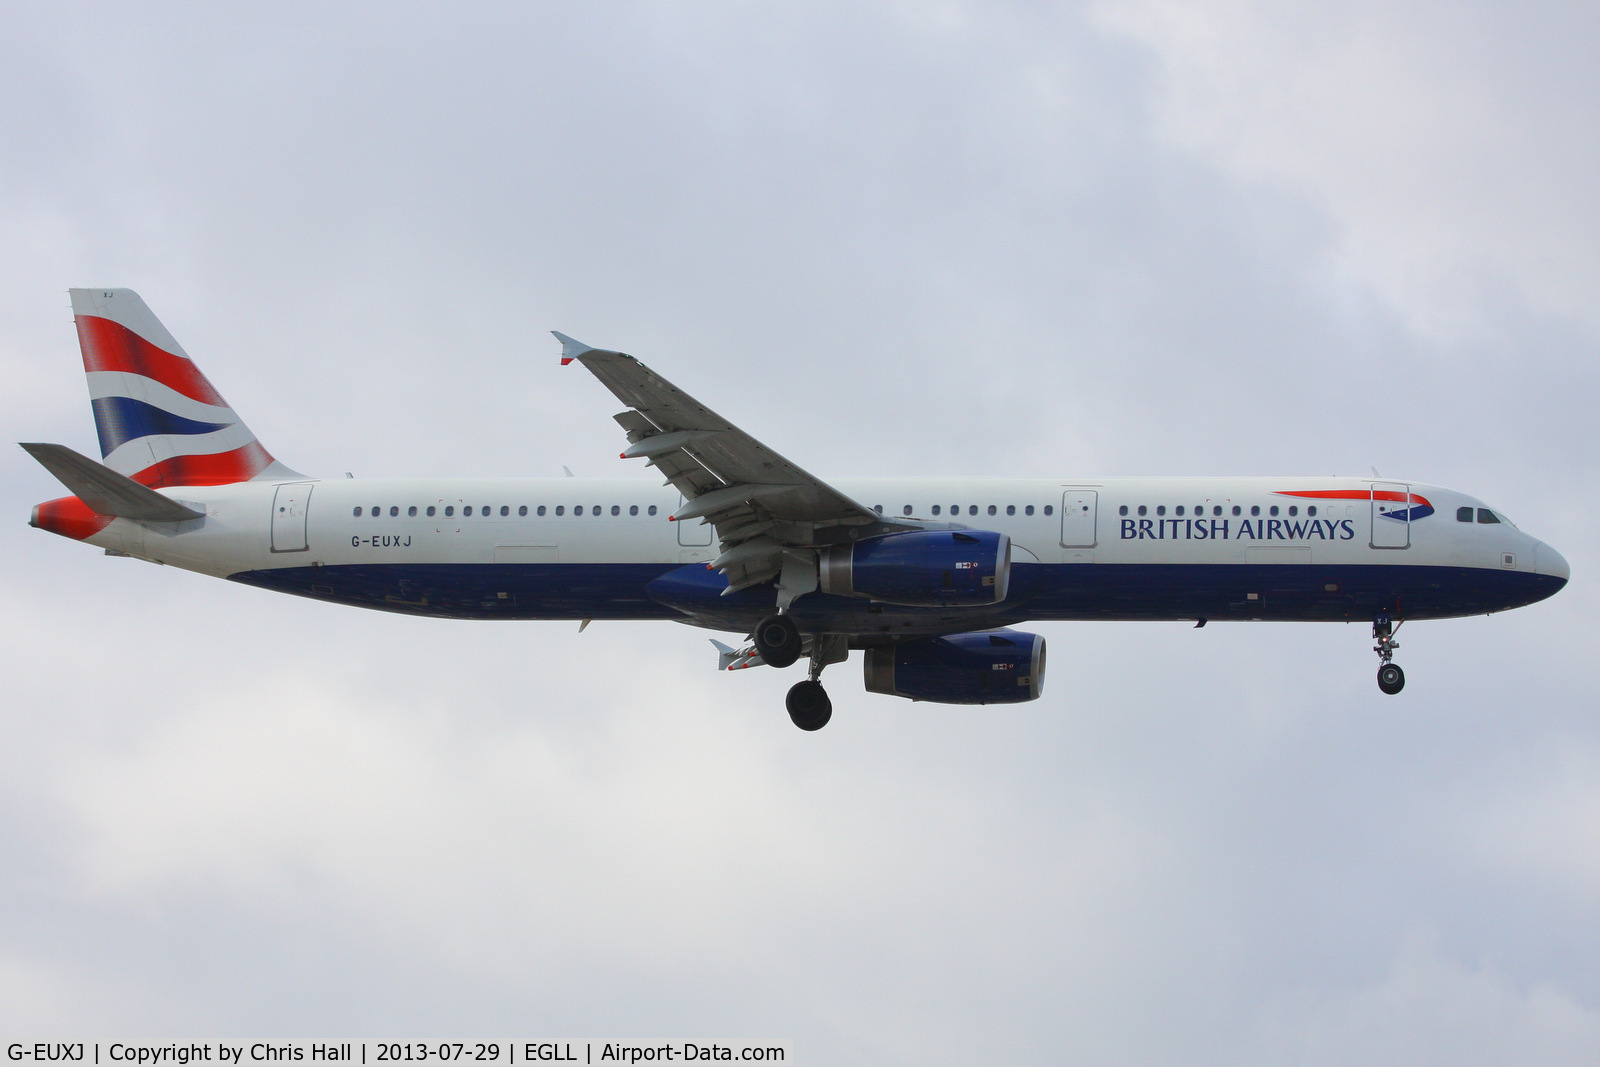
x,y
762,506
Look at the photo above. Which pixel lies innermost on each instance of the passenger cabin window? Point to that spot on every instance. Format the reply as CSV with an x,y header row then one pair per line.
x,y
1141,509
523,510
577,510
1161,509
1011,509
467,511
972,509
506,511
430,511
540,511
652,509
1236,509
906,510
1029,510
412,511
357,513
561,509
1123,510
484,511
878,508
1049,509
1270,511
1293,511
633,509
615,510
1216,509
1178,510
1255,509
394,511
991,509
936,509
449,511
1486,516
1312,511
1462,514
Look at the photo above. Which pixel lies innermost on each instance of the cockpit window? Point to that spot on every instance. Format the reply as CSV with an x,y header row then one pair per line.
x,y
1463,514
1487,516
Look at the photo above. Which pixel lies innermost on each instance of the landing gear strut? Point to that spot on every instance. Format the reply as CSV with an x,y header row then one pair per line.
x,y
1391,679
808,703
778,641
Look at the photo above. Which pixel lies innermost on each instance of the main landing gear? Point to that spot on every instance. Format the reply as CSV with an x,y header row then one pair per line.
x,y
780,643
1391,679
808,704
777,638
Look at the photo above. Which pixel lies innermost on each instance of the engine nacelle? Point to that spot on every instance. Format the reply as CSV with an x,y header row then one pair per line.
x,y
992,667
922,568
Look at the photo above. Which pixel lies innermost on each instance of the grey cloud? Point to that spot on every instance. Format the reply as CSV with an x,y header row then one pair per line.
x,y
890,238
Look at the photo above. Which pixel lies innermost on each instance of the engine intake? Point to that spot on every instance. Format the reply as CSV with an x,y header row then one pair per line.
x,y
989,667
921,568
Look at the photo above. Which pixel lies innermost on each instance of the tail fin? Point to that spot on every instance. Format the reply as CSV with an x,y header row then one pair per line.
x,y
160,421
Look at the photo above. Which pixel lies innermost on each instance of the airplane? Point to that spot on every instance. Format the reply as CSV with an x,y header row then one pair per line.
x,y
925,577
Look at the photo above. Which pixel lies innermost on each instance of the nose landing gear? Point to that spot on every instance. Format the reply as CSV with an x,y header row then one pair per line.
x,y
1391,679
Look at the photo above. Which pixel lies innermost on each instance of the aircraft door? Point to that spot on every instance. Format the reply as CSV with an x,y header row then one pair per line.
x,y
1078,507
1391,515
692,534
289,517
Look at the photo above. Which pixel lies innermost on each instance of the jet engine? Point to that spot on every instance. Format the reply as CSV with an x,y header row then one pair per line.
x,y
988,667
921,568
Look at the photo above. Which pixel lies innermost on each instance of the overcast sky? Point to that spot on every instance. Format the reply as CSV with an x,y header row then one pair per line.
x,y
1061,240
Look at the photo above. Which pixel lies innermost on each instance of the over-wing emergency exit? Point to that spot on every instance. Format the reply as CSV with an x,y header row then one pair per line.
x,y
925,577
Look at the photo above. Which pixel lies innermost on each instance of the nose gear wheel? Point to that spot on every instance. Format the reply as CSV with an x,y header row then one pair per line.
x,y
1391,679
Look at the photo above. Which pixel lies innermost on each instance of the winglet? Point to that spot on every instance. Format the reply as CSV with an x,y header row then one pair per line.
x,y
571,349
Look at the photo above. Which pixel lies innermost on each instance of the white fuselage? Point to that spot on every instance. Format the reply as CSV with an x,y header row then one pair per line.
x,y
1199,532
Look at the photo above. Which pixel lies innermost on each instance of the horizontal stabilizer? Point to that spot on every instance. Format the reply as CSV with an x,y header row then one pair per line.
x,y
106,491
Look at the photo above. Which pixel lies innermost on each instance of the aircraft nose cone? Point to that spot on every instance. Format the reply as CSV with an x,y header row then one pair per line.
x,y
1547,560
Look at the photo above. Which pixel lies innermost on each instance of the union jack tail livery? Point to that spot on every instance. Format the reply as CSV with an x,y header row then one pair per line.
x,y
160,421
